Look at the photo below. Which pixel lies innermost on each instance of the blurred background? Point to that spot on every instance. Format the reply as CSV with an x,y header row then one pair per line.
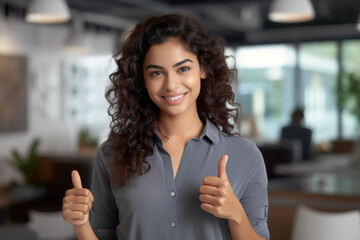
x,y
55,59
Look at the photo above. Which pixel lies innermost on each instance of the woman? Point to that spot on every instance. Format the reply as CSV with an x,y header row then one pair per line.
x,y
172,168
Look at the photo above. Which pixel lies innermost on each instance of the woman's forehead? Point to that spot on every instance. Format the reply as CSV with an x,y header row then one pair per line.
x,y
169,52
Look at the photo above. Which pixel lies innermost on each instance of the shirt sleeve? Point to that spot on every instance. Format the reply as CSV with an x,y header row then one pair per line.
x,y
255,197
104,212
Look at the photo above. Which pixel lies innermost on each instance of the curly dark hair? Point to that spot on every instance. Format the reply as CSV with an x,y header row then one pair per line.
x,y
133,113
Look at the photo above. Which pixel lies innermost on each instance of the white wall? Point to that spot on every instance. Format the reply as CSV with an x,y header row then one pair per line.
x,y
43,47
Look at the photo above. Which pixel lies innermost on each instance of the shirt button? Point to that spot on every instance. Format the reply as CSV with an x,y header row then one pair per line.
x,y
173,224
172,194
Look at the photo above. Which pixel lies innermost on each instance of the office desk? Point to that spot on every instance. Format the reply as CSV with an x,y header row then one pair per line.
x,y
20,194
320,163
342,182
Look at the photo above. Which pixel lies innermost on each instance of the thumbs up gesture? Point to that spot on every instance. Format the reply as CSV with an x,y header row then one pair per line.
x,y
77,202
217,196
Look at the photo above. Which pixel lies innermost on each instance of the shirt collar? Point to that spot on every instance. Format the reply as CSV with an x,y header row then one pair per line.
x,y
211,132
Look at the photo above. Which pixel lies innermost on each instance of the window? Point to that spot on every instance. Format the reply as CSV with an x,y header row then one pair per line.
x,y
319,71
351,63
85,81
266,86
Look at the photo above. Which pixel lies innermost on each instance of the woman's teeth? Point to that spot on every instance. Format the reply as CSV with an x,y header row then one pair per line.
x,y
175,98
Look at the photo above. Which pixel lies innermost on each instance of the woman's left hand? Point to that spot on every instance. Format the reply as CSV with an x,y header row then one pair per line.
x,y
217,196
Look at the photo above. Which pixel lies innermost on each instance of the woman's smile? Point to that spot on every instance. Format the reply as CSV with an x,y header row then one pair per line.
x,y
175,99
172,76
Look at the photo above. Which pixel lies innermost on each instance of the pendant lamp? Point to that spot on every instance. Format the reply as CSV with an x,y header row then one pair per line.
x,y
291,11
76,42
48,11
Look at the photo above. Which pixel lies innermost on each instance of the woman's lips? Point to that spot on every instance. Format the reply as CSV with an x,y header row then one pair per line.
x,y
176,99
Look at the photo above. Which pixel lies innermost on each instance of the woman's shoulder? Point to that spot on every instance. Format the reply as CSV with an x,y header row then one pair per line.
x,y
105,151
240,146
236,139
224,138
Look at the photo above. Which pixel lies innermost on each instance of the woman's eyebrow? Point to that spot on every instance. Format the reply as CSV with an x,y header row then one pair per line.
x,y
153,66
175,65
182,62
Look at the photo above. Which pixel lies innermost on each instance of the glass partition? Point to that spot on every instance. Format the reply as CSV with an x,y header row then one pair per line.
x,y
266,87
318,71
351,63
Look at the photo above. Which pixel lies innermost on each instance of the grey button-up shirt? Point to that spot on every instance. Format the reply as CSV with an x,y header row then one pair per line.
x,y
160,207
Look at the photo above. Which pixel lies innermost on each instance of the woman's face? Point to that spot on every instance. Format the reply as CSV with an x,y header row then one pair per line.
x,y
172,77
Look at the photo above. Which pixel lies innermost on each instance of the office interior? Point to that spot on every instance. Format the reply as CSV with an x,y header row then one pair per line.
x,y
53,78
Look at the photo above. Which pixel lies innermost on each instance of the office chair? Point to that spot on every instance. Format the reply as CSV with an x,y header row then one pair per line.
x,y
310,224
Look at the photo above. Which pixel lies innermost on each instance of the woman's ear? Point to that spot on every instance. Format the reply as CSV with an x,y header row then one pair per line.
x,y
202,72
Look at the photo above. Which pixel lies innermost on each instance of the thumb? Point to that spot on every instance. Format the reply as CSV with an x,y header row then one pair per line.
x,y
222,167
76,180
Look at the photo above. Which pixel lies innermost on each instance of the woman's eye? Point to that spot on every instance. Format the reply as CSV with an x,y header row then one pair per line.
x,y
155,73
184,69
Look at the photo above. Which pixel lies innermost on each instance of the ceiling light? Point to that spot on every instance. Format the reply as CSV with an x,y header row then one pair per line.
x,y
291,11
358,23
48,11
76,42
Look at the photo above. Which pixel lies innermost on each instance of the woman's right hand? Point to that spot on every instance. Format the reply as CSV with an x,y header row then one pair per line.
x,y
77,202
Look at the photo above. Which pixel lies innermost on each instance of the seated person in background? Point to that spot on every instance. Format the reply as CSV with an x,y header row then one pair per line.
x,y
295,131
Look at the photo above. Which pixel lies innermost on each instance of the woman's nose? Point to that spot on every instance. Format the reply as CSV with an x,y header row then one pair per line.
x,y
171,81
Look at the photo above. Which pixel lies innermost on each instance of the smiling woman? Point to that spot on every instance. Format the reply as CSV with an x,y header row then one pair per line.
x,y
172,168
172,78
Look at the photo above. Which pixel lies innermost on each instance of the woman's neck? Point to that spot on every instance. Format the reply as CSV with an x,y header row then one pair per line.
x,y
179,127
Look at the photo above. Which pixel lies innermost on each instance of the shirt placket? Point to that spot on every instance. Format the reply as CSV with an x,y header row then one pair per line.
x,y
171,191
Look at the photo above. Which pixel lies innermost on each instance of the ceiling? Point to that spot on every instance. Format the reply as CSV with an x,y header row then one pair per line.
x,y
233,19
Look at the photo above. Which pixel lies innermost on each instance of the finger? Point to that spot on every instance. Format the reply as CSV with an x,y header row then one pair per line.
x,y
76,180
68,202
212,181
83,192
222,167
208,208
89,194
78,200
205,198
213,191
84,208
205,189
